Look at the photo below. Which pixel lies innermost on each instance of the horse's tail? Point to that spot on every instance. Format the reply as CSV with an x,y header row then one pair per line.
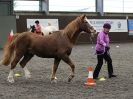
x,y
8,51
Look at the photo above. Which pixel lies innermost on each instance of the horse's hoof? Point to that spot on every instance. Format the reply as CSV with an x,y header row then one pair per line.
x,y
70,78
1,63
54,80
10,79
28,76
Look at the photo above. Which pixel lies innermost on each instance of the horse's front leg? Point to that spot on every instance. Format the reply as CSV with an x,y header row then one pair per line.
x,y
55,67
70,63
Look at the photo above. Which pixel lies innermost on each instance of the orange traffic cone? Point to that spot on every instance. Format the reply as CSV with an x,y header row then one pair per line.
x,y
10,37
90,80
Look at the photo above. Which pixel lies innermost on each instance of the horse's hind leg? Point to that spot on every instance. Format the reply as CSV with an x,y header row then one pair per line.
x,y
70,63
55,67
23,63
16,59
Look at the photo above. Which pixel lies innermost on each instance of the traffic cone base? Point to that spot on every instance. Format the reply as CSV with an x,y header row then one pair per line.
x,y
90,84
90,80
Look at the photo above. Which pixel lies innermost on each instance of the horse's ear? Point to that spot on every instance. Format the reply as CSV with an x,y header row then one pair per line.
x,y
83,16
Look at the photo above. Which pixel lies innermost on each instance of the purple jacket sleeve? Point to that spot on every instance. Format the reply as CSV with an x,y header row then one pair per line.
x,y
101,39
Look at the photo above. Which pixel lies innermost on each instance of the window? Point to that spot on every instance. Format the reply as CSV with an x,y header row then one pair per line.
x,y
122,6
72,5
26,5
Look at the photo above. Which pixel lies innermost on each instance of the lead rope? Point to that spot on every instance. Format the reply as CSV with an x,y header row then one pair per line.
x,y
91,40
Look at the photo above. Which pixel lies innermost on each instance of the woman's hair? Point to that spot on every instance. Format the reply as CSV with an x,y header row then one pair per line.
x,y
36,21
107,25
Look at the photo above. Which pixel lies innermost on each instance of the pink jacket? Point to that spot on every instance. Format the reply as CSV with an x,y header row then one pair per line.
x,y
102,41
38,28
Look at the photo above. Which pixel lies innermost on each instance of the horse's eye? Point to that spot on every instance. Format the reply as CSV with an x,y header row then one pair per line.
x,y
91,27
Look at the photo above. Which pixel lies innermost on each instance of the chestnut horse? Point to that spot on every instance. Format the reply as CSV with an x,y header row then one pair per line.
x,y
58,45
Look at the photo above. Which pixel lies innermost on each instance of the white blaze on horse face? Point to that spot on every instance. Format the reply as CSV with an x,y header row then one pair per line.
x,y
93,28
88,21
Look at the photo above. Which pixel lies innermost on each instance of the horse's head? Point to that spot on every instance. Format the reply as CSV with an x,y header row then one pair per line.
x,y
86,25
32,28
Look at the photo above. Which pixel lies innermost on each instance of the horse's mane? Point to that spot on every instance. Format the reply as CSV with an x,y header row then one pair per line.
x,y
72,26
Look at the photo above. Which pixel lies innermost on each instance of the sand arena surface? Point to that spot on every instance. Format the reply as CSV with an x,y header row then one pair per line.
x,y
40,87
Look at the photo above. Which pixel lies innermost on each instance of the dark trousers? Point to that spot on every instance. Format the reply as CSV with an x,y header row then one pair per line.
x,y
100,58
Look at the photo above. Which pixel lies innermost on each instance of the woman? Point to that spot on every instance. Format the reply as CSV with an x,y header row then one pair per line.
x,y
102,51
38,28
